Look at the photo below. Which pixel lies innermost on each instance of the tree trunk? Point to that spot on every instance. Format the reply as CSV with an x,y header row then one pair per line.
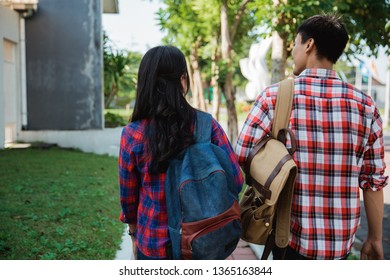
x,y
279,57
226,44
279,47
231,109
110,97
190,75
215,81
226,50
216,91
197,92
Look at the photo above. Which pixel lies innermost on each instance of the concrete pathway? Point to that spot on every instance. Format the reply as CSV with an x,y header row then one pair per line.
x,y
126,250
244,250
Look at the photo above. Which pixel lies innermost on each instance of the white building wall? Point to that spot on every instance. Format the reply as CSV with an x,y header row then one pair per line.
x,y
105,141
9,75
10,86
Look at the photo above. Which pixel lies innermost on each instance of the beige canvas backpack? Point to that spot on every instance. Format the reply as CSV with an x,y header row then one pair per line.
x,y
270,177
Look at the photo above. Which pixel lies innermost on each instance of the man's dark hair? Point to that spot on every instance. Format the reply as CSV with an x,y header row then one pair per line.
x,y
329,34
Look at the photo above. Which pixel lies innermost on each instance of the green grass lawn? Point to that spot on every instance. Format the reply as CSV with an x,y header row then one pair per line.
x,y
58,204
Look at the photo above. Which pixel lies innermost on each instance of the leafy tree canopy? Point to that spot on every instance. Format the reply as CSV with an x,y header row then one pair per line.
x,y
120,70
365,19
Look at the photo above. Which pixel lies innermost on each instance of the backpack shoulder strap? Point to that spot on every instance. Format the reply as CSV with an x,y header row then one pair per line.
x,y
203,124
283,106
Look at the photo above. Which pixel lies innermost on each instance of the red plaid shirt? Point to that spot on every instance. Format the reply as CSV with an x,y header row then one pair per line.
x,y
142,194
339,149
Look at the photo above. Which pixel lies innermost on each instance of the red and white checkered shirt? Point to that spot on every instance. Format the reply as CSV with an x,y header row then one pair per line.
x,y
339,149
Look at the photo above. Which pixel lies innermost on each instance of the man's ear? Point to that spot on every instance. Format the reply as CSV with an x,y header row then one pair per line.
x,y
309,45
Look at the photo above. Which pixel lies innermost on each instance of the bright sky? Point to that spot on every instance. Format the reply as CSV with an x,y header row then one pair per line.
x,y
135,27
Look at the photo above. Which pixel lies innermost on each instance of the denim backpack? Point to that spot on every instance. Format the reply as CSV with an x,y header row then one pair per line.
x,y
202,199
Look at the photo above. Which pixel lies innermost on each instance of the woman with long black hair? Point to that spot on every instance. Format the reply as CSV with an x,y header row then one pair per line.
x,y
162,126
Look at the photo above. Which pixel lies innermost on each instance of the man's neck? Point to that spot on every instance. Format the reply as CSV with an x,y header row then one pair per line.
x,y
316,63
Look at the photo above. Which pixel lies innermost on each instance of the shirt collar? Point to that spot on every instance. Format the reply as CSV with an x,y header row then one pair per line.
x,y
319,73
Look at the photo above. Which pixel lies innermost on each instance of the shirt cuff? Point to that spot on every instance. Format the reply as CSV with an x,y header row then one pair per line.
x,y
127,220
374,184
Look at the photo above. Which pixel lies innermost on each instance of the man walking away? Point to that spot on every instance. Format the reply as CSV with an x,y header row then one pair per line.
x,y
339,149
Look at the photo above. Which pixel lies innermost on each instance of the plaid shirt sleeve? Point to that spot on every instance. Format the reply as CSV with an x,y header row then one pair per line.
x,y
219,138
256,126
128,179
373,169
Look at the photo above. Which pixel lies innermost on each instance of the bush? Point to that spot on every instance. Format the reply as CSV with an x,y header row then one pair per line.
x,y
114,120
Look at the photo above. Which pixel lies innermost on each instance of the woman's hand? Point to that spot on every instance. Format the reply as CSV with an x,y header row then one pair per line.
x,y
131,230
134,247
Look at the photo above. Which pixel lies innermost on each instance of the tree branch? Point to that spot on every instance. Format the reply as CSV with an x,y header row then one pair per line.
x,y
237,18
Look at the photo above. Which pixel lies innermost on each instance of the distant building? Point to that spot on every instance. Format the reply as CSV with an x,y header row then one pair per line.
x,y
377,90
51,66
366,78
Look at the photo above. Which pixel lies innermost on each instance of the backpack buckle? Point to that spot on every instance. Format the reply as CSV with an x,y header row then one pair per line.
x,y
258,201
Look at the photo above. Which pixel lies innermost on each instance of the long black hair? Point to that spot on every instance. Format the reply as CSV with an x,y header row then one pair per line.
x,y
161,100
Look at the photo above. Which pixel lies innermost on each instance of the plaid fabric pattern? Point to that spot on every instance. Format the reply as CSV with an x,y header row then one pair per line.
x,y
142,194
339,149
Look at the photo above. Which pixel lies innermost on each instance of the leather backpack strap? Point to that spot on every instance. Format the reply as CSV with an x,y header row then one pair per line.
x,y
282,113
283,211
283,106
269,245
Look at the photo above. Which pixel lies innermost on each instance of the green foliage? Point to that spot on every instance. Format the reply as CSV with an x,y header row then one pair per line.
x,y
120,71
366,21
114,120
58,204
182,24
197,22
353,257
366,34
